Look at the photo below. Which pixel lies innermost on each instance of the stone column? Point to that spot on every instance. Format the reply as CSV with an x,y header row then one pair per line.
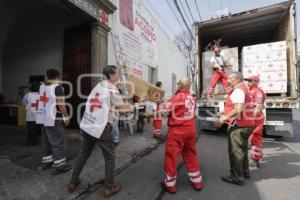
x,y
99,50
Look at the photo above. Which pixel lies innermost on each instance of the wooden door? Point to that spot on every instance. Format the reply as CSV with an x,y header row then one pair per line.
x,y
77,61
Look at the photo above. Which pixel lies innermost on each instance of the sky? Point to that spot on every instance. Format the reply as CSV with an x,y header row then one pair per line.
x,y
207,9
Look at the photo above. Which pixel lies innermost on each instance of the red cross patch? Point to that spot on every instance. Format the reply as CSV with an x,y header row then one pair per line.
x,y
44,99
95,103
35,105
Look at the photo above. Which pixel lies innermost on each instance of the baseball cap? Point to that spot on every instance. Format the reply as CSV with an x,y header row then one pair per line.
x,y
252,78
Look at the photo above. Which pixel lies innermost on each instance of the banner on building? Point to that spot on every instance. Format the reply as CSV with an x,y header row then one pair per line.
x,y
135,37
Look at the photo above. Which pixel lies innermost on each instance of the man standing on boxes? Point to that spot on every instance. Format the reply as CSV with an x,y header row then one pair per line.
x,y
181,138
217,63
102,107
256,139
52,114
239,116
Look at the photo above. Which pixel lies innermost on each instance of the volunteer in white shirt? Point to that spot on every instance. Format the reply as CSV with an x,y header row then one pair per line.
x,y
96,127
52,114
30,101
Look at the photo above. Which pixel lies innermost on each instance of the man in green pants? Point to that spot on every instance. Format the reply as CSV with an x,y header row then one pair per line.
x,y
239,116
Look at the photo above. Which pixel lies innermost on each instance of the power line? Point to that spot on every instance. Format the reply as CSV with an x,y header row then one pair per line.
x,y
187,17
190,11
175,16
198,10
178,8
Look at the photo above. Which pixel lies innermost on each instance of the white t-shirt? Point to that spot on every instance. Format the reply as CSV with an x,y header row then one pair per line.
x,y
151,106
30,101
217,62
237,96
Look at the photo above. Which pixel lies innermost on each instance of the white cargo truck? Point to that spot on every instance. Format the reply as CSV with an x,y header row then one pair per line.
x,y
262,42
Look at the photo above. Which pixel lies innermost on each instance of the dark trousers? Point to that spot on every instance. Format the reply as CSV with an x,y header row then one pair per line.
x,y
141,122
107,146
33,133
238,151
53,143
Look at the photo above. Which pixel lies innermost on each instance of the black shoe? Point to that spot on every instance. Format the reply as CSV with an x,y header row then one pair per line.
x,y
247,175
229,179
45,166
61,169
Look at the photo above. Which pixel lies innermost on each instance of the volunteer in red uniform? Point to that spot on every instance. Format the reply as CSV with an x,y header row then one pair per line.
x,y
217,63
256,140
239,116
181,138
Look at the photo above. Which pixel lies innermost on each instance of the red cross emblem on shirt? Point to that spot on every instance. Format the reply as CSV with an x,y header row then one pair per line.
x,y
44,99
35,105
95,103
103,16
190,104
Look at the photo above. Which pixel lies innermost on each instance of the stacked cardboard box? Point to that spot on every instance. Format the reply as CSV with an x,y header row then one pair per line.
x,y
269,61
230,56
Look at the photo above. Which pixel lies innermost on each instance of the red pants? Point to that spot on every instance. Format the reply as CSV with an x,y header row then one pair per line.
x,y
216,77
256,139
181,144
157,125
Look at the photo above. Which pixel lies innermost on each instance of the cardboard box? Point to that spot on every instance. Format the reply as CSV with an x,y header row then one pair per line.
x,y
269,61
144,89
230,56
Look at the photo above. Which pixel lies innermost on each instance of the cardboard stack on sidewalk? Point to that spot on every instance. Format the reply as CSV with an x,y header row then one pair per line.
x,y
269,61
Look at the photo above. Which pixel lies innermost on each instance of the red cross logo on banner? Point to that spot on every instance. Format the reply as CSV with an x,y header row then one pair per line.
x,y
35,105
44,99
95,103
103,16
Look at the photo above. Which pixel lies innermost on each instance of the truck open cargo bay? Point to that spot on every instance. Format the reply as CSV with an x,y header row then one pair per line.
x,y
270,24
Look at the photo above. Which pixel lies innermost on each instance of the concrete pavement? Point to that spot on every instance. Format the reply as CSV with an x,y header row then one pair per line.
x,y
278,179
19,179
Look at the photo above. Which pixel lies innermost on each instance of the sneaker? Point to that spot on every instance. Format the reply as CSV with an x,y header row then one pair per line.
x,y
45,166
109,191
168,189
73,186
61,169
197,186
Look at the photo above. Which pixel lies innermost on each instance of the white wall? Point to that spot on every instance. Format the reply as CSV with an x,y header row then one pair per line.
x,y
170,60
34,45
